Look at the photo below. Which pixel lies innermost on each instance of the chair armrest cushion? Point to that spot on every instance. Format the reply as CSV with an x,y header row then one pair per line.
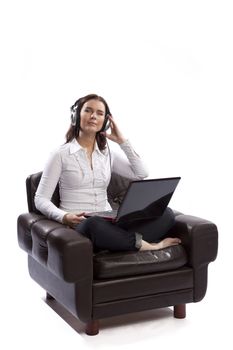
x,y
24,225
62,250
70,255
199,237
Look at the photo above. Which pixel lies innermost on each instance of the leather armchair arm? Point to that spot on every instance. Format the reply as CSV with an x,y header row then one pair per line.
x,y
199,237
65,252
70,255
24,224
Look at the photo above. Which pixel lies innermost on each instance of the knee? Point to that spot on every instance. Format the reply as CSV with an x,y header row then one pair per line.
x,y
93,222
89,226
169,216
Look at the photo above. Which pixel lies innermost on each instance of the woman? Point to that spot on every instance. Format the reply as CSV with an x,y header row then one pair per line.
x,y
82,167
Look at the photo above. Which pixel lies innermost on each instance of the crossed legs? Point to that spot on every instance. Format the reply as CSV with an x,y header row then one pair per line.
x,y
125,237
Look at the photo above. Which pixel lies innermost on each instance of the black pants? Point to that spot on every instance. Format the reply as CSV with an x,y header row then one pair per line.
x,y
116,237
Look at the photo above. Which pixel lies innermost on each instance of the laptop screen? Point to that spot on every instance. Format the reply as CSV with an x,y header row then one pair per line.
x,y
150,197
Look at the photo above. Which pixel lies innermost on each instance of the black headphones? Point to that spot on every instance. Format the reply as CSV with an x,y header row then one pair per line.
x,y
75,117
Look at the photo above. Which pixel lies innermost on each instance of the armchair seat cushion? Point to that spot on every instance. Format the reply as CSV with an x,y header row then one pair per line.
x,y
110,265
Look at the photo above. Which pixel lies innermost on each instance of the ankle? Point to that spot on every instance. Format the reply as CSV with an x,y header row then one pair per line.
x,y
147,246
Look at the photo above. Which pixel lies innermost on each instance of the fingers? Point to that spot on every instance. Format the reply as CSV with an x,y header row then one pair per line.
x,y
112,123
78,218
115,135
110,117
73,219
81,214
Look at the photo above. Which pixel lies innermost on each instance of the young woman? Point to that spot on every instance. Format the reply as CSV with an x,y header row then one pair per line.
x,y
83,167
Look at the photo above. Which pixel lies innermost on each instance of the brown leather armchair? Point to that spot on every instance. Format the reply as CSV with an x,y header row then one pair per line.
x,y
94,286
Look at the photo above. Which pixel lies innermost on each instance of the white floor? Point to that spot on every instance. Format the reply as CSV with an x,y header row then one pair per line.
x,y
28,320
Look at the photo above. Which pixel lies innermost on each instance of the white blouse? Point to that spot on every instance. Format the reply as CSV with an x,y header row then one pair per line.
x,y
82,188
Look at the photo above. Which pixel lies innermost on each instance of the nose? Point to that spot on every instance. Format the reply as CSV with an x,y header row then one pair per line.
x,y
93,115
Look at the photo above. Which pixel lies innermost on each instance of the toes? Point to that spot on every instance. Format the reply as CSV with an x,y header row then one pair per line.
x,y
176,240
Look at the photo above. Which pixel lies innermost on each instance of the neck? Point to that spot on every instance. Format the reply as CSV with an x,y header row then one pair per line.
x,y
86,140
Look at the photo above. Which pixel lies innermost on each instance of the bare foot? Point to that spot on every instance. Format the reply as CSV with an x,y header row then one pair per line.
x,y
167,242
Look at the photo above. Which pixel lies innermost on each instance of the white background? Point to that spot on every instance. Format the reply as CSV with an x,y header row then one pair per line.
x,y
165,68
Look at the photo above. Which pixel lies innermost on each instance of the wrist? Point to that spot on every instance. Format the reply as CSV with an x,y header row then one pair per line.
x,y
64,219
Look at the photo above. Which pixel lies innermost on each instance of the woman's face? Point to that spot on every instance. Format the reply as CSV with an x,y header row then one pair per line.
x,y
92,116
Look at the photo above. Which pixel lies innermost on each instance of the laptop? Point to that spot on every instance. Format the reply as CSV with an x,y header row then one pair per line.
x,y
144,199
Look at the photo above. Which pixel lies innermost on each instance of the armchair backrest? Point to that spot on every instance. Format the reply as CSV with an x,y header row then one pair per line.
x,y
116,190
32,183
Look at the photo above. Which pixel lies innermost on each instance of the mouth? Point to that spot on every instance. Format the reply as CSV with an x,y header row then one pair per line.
x,y
91,123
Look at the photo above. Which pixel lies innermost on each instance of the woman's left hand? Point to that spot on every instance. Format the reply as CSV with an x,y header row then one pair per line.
x,y
115,135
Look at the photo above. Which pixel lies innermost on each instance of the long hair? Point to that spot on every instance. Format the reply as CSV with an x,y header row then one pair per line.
x,y
73,131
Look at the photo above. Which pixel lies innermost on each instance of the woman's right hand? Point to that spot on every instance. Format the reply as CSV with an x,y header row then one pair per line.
x,y
73,219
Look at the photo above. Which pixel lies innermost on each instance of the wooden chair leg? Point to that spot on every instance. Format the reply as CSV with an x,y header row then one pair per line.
x,y
49,296
92,327
180,311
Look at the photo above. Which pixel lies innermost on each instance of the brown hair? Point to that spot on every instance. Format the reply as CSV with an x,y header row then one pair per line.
x,y
73,130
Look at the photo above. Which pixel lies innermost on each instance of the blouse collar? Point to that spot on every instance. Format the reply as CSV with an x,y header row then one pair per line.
x,y
76,147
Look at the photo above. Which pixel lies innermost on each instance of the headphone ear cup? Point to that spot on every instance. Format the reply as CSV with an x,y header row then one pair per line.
x,y
73,116
106,124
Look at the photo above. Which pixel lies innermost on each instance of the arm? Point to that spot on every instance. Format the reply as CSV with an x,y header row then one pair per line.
x,y
45,190
47,185
131,166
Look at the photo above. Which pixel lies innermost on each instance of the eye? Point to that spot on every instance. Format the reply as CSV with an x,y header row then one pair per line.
x,y
87,109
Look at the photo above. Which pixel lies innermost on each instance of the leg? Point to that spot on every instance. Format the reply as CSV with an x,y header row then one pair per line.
x,y
92,327
116,237
180,311
153,230
105,235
